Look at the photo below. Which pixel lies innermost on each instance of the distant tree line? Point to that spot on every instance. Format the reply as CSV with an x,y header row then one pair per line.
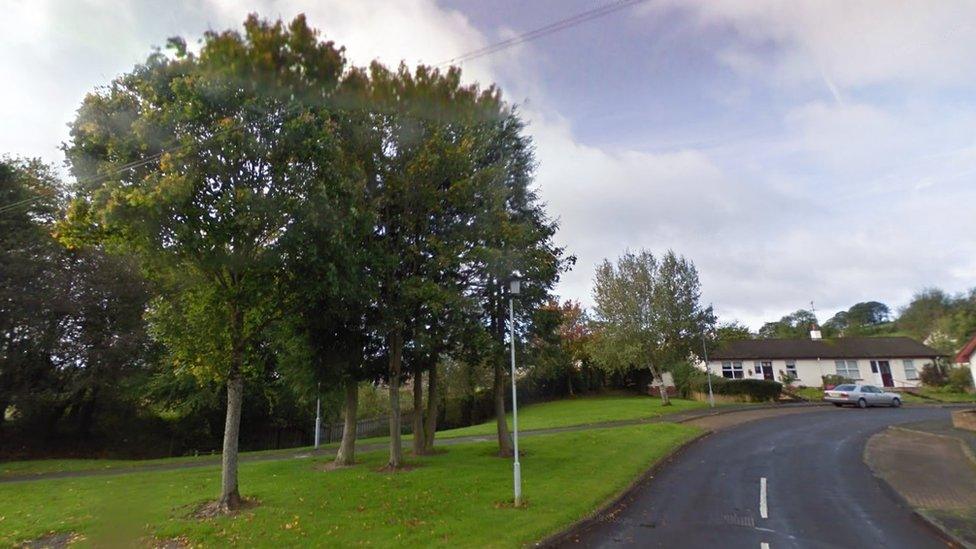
x,y
943,320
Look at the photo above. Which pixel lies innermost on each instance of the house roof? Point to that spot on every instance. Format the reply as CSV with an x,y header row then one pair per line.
x,y
966,353
842,347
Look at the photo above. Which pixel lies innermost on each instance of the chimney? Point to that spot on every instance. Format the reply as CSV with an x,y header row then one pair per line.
x,y
815,332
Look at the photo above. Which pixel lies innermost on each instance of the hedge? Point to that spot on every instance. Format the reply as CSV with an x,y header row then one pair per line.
x,y
758,390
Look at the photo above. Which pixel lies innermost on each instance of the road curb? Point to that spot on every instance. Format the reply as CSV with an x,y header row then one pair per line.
x,y
607,510
928,521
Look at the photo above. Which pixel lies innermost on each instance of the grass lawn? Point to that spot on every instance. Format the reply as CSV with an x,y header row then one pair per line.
x,y
813,394
561,413
582,411
944,395
38,466
457,498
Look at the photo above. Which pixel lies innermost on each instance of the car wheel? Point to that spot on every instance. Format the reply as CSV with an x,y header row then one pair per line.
x,y
862,403
896,402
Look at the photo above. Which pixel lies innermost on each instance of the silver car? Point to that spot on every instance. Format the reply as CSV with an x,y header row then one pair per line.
x,y
861,396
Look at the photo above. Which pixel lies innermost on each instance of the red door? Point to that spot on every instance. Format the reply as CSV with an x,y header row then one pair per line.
x,y
885,369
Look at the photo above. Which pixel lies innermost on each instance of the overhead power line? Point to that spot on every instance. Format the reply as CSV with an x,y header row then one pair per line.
x,y
528,36
551,28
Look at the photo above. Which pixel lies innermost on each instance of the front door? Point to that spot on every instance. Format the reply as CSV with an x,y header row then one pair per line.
x,y
767,369
885,368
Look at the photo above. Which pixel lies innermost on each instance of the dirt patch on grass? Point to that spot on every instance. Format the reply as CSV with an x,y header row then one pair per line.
x,y
330,466
404,468
51,541
213,509
170,543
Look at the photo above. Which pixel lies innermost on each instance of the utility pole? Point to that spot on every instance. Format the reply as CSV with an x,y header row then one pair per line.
x,y
318,415
708,373
515,289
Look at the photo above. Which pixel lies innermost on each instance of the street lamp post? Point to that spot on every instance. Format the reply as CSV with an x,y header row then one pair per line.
x,y
708,373
318,416
514,289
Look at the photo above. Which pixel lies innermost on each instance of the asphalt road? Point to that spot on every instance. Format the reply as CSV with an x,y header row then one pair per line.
x,y
818,491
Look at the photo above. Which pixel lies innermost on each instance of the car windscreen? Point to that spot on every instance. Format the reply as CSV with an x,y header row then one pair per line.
x,y
844,388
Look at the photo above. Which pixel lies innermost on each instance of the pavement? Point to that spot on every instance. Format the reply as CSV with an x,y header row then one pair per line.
x,y
931,465
785,480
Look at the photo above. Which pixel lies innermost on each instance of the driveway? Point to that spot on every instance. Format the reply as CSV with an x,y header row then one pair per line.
x,y
795,480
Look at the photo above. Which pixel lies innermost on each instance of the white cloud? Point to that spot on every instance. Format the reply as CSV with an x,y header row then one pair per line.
x,y
914,42
849,199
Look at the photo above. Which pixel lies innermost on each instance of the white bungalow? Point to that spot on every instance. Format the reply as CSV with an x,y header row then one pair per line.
x,y
881,361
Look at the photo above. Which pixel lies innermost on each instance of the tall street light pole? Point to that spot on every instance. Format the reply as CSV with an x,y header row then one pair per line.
x,y
318,416
514,290
708,373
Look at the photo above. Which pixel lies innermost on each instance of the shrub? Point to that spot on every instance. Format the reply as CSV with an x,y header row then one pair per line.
x,y
934,375
686,377
833,380
960,379
758,390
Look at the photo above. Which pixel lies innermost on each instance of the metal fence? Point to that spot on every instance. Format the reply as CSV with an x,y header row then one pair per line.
x,y
365,428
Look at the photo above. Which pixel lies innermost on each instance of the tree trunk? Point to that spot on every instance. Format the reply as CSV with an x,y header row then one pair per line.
x,y
396,447
347,448
230,497
3,414
504,438
419,439
432,398
665,399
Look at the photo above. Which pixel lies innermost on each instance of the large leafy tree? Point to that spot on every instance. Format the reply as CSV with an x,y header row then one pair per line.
x,y
71,330
199,164
649,313
30,308
427,191
514,237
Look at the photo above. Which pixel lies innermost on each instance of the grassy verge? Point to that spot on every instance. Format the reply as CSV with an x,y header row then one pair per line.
x,y
460,497
944,394
582,411
40,466
562,413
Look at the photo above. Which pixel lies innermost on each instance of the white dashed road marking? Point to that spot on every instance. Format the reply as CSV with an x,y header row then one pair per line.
x,y
763,509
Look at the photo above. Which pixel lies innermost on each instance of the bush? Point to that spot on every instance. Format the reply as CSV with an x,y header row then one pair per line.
x,y
757,390
960,379
833,380
934,375
686,377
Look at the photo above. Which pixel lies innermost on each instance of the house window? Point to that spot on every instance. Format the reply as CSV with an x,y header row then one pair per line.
x,y
791,368
910,371
732,370
848,369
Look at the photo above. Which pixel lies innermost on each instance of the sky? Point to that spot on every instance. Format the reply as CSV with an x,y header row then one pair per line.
x,y
797,151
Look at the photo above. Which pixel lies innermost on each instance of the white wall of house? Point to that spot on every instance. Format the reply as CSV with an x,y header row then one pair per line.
x,y
972,366
809,372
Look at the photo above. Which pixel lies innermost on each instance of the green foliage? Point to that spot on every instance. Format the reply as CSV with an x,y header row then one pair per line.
x,y
833,380
934,375
648,312
795,325
732,331
756,390
862,319
960,379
